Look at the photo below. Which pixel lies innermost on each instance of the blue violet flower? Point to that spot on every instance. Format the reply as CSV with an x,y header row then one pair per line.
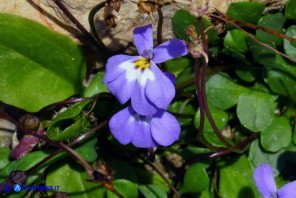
x,y
265,183
139,78
161,129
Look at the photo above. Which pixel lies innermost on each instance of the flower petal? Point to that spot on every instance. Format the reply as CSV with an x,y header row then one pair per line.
x,y
121,88
170,76
169,50
143,38
113,67
264,180
165,128
141,104
143,137
161,90
288,190
122,125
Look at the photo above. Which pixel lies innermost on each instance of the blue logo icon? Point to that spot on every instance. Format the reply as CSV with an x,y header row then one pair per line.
x,y
17,188
7,188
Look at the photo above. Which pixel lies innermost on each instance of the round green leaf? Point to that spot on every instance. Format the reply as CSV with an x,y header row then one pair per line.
x,y
277,135
235,40
124,187
38,67
4,159
23,164
255,110
73,179
220,117
96,86
152,191
196,178
222,92
274,22
289,47
290,11
182,19
245,11
258,156
236,179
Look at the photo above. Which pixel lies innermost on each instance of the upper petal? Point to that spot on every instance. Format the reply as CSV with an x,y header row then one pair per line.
x,y
169,50
288,190
141,104
143,38
161,90
264,180
121,88
122,125
143,137
165,128
114,68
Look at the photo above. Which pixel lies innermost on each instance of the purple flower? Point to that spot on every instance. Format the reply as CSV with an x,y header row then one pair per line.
x,y
265,183
144,131
138,77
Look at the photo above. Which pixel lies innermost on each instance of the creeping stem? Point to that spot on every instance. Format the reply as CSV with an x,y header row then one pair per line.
x,y
159,25
91,22
202,83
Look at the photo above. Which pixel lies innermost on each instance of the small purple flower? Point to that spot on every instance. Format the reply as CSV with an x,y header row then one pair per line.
x,y
139,78
161,129
265,183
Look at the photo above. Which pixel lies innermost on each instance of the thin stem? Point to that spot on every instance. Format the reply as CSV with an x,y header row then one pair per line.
x,y
159,25
253,37
78,25
161,175
200,99
203,90
91,22
89,169
257,27
67,101
72,143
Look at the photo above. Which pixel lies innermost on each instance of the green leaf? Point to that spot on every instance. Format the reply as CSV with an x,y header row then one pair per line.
x,y
290,47
177,65
96,86
182,19
183,107
190,152
245,11
152,191
222,92
88,150
255,110
196,178
124,187
69,124
258,156
23,164
277,135
235,40
290,11
38,67
4,159
73,179
220,117
247,72
236,179
274,22
281,77
145,177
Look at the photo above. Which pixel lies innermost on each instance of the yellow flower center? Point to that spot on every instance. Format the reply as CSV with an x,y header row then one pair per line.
x,y
142,63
